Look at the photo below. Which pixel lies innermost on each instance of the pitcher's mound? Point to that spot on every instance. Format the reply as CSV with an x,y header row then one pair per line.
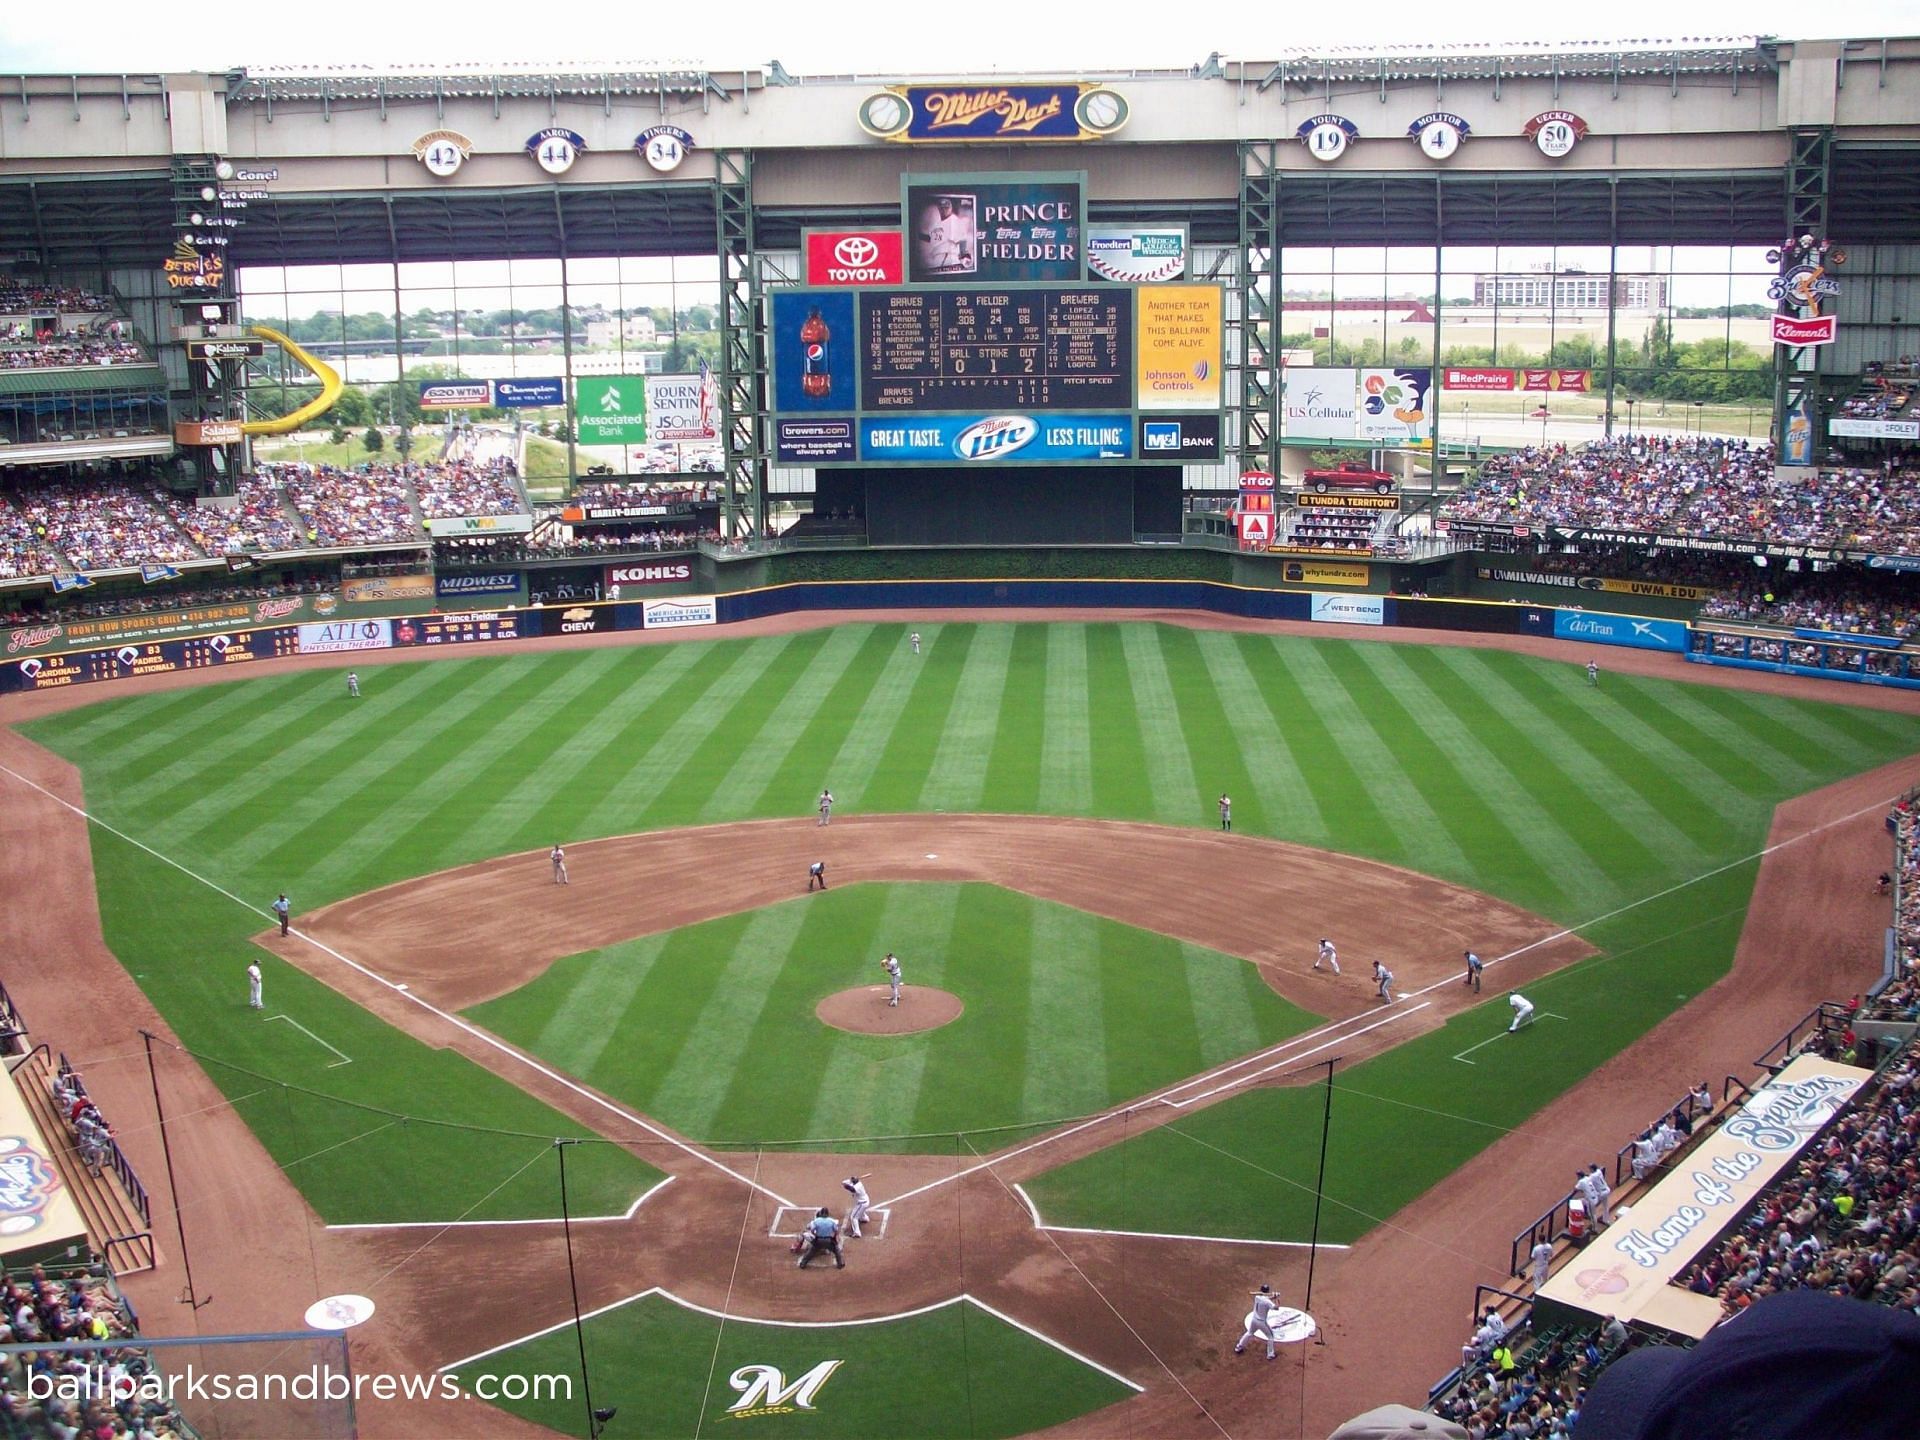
x,y
865,1010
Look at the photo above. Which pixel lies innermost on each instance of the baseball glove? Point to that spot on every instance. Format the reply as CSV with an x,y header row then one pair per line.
x,y
799,1244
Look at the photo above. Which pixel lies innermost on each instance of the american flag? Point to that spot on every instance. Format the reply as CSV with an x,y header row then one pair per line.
x,y
709,403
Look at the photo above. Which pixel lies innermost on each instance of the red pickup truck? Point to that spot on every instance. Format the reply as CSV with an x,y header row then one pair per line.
x,y
1349,477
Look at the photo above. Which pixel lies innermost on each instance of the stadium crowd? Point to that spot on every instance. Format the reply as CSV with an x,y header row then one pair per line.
x,y
257,521
100,524
39,1309
19,299
1900,998
464,487
1704,487
370,505
1820,602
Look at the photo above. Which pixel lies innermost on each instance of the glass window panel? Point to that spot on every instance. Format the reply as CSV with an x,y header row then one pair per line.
x,y
366,277
543,271
426,274
481,274
313,277
598,270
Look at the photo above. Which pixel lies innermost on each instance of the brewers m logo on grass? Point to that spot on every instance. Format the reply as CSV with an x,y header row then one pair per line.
x,y
764,1389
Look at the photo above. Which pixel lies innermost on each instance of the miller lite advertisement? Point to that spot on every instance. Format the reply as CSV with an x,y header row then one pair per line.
x,y
854,257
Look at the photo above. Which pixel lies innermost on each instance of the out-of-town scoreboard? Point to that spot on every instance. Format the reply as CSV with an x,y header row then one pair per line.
x,y
1002,353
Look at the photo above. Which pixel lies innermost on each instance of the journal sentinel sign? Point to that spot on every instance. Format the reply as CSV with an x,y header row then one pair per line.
x,y
1619,630
978,439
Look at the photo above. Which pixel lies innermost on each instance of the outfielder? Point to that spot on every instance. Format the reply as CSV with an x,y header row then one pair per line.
x,y
892,966
915,638
1522,1011
1593,672
1326,954
353,686
854,1185
253,986
559,858
1226,813
826,806
1259,1320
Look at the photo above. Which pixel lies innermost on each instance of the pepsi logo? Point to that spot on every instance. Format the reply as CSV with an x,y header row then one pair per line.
x,y
856,251
815,350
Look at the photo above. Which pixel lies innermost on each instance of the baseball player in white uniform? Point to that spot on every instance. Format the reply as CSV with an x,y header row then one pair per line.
x,y
559,858
1327,954
855,1185
946,238
353,686
1522,1011
1542,1257
253,986
915,638
1259,1320
892,966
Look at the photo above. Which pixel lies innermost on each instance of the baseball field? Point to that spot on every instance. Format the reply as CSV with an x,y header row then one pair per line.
x,y
1027,815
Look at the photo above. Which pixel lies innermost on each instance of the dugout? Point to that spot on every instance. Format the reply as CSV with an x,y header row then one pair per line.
x,y
957,505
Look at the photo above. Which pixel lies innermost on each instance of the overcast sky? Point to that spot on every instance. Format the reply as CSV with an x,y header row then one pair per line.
x,y
832,37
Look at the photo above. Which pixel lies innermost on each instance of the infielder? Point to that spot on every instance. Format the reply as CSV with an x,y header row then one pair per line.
x,y
1522,1011
1326,954
816,875
1474,966
282,908
892,966
559,858
855,1186
1226,813
1383,981
826,806
1259,1320
353,686
253,986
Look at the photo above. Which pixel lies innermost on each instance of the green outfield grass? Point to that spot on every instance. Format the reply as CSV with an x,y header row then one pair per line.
x,y
1495,771
711,1029
956,1371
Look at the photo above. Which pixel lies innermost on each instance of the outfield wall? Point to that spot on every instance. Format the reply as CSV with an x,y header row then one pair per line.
x,y
1837,659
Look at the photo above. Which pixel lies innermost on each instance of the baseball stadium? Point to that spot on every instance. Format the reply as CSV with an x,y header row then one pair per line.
x,y
1206,751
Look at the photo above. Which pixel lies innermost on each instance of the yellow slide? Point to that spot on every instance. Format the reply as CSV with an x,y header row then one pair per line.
x,y
319,405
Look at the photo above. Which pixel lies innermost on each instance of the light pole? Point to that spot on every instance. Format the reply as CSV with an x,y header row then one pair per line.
x,y
1320,1185
596,1419
1699,417
1466,423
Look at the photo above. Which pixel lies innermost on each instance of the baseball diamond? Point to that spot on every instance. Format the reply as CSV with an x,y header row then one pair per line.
x,y
436,950
689,751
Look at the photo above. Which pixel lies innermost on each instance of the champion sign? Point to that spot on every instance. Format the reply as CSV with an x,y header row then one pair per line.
x,y
854,257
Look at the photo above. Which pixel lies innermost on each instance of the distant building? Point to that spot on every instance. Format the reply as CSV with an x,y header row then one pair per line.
x,y
1569,290
634,330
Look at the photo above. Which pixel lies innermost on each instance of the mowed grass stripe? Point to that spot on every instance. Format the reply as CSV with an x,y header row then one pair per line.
x,y
150,732
884,658
1800,733
267,771
311,827
1066,754
1223,1013
1013,768
1120,783
1221,767
551,794
631,792
1570,826
578,1032
1283,802
716,1046
958,775
1646,756
1405,820
1064,980
856,770
908,749
954,1084
445,822
1707,737
1626,796
689,790
1174,795
745,786
1391,697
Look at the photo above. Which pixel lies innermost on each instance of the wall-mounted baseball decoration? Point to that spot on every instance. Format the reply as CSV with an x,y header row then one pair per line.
x,y
443,152
555,149
1326,136
1439,134
1556,132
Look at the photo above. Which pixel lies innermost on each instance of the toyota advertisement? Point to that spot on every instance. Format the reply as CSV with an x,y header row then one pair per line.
x,y
854,257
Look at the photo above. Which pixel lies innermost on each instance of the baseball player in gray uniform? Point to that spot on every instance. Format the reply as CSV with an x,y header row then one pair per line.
x,y
1383,981
892,966
826,806
1259,1321
559,858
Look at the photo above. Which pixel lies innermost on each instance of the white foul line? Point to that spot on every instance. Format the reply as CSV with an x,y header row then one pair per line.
x,y
627,1214
1039,1224
1392,1014
405,994
345,1059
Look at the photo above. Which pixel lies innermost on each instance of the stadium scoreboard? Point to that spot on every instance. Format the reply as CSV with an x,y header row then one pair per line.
x,y
996,349
1017,372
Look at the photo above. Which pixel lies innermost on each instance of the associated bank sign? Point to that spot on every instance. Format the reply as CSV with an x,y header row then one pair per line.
x,y
1619,630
